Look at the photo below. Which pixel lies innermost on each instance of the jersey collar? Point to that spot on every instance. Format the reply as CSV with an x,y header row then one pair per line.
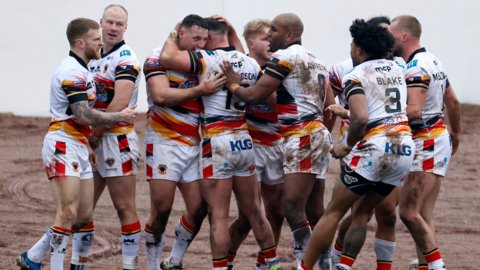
x,y
415,52
80,60
227,49
118,45
294,43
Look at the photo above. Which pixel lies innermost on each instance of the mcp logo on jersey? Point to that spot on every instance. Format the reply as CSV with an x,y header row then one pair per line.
x,y
397,149
239,145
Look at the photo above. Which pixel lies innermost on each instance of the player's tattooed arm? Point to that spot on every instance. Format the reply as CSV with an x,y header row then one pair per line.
x,y
453,114
233,39
89,117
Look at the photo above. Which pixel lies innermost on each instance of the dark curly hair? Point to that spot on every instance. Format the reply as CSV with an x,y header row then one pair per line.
x,y
379,20
375,40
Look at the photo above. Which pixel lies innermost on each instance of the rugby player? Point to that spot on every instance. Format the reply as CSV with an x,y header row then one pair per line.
x,y
385,212
117,78
302,83
172,146
227,159
429,91
264,129
66,152
379,148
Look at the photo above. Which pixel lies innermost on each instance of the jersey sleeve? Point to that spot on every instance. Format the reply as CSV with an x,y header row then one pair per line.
x,y
280,65
74,84
152,66
201,61
352,86
334,78
416,76
447,83
127,67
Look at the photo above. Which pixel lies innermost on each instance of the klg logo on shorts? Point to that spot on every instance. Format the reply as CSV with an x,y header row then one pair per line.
x,y
239,145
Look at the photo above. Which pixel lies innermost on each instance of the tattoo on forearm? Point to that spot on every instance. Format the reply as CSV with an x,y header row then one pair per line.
x,y
81,110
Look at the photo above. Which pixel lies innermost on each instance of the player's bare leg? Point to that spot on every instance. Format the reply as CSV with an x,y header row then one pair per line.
x,y
217,194
246,194
324,232
188,225
297,190
418,198
162,194
315,210
122,193
272,196
385,241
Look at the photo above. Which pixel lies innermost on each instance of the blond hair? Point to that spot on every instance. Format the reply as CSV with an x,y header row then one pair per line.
x,y
409,24
255,27
116,5
79,27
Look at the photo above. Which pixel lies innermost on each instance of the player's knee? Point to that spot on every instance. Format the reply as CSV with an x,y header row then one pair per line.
x,y
68,214
409,218
290,208
199,214
387,221
160,221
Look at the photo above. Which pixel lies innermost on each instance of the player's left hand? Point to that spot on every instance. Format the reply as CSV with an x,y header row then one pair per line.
x,y
455,142
231,76
340,150
92,157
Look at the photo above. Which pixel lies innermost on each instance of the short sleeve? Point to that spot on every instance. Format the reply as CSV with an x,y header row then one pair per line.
x,y
152,66
352,86
201,61
334,78
74,84
280,65
416,76
127,67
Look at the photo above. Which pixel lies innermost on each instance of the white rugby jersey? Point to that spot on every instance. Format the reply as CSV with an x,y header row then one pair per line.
x,y
72,82
222,112
336,74
301,95
120,63
175,125
383,84
424,70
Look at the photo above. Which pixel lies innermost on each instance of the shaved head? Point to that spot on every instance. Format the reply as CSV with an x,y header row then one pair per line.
x,y
409,24
290,22
117,8
285,29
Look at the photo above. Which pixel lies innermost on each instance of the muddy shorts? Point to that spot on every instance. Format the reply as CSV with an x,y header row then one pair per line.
x,y
343,135
269,160
385,159
66,159
117,155
308,154
170,162
224,156
433,155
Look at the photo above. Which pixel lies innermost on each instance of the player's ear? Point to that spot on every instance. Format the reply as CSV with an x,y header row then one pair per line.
x,y
250,44
210,37
80,44
181,32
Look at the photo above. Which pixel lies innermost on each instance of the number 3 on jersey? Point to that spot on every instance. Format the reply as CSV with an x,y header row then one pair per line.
x,y
393,101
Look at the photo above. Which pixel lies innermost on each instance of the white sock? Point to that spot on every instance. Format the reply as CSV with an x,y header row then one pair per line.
x,y
300,241
437,265
58,245
184,234
131,245
36,253
325,260
384,250
153,249
81,244
336,254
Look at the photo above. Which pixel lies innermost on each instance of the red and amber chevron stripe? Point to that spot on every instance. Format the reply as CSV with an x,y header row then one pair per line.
x,y
388,130
347,260
384,265
88,228
222,262
270,252
132,228
432,256
60,230
187,226
430,133
148,228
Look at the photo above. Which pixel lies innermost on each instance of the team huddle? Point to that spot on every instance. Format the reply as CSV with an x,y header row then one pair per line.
x,y
257,124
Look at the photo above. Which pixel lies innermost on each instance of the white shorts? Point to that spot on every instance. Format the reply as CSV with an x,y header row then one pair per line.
x,y
225,156
385,159
117,155
170,162
432,156
66,159
308,154
269,160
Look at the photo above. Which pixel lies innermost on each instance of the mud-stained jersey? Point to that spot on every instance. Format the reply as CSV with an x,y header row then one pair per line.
x,y
223,113
72,82
301,95
383,84
424,70
176,125
120,63
262,123
336,74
